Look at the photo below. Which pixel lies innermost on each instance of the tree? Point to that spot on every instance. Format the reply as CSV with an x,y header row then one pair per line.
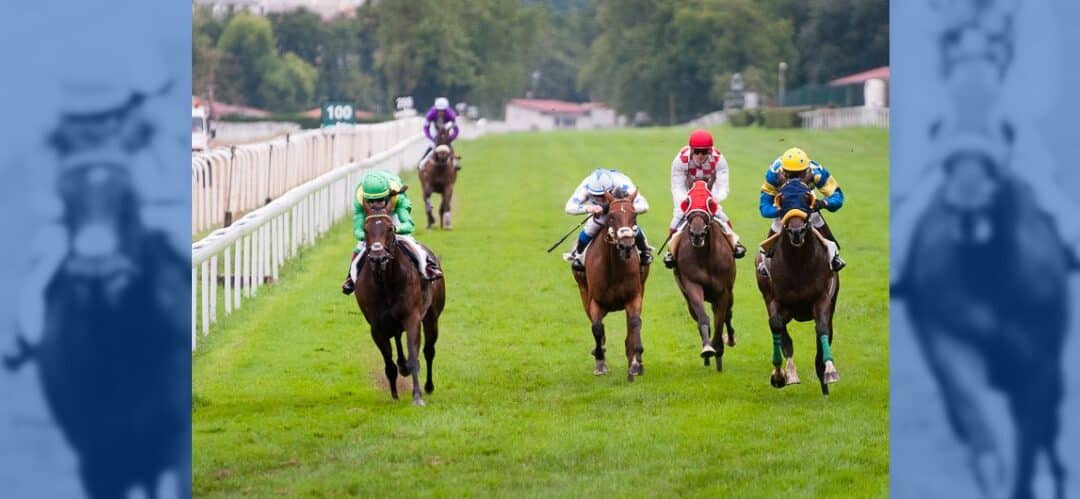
x,y
846,36
301,32
289,85
249,41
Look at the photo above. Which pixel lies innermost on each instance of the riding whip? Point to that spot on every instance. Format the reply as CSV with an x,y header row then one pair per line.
x,y
671,233
560,241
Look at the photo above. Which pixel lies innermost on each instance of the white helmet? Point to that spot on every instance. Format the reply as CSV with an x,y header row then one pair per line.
x,y
442,104
599,182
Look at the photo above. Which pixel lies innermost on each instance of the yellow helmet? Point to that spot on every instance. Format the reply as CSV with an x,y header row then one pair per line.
x,y
794,160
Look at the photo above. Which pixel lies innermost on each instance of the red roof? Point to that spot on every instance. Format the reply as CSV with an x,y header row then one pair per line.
x,y
881,73
555,106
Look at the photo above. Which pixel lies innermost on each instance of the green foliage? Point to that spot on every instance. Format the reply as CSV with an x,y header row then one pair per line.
x,y
781,117
299,31
248,40
291,398
743,117
290,83
842,37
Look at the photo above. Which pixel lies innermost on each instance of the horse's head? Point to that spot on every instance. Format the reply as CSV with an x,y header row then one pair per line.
x,y
622,221
442,154
697,225
795,210
379,233
442,133
100,205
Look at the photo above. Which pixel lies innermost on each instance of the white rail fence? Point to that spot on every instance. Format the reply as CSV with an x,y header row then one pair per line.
x,y
230,181
249,253
234,133
845,117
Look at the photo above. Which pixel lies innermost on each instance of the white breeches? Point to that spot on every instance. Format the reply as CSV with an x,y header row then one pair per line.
x,y
595,225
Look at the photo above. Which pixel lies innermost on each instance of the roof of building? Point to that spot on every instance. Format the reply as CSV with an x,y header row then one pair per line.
x,y
549,106
881,73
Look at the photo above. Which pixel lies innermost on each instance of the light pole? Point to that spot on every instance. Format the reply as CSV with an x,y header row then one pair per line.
x,y
783,67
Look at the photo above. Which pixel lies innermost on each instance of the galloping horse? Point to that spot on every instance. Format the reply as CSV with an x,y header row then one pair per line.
x,y
705,271
614,279
989,310
394,298
799,286
114,354
438,175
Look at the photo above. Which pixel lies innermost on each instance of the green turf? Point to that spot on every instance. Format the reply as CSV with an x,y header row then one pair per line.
x,y
289,395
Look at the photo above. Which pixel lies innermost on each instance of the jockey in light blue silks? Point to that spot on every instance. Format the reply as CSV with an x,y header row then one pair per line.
x,y
440,115
589,198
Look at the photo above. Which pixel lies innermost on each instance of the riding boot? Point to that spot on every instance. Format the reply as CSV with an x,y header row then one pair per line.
x,y
740,250
643,248
837,263
432,271
574,256
765,256
349,286
457,163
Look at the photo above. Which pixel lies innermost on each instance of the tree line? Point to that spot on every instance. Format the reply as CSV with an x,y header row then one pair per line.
x,y
668,58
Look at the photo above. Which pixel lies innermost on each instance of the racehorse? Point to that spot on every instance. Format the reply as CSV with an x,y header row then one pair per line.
x,y
705,271
614,279
989,310
114,353
438,174
393,298
799,286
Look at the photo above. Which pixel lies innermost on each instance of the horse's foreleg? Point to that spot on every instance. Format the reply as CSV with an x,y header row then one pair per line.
x,y
403,367
596,316
634,348
721,310
412,329
823,361
431,335
427,209
695,301
383,342
444,206
778,320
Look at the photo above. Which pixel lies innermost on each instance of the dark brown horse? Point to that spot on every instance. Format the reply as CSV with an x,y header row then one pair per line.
x,y
989,311
614,279
394,298
438,174
800,286
705,272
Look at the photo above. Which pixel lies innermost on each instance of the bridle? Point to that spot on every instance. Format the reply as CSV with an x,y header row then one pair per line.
x,y
379,246
613,234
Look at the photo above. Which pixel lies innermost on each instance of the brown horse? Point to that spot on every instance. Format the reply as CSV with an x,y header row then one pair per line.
x,y
800,286
438,174
705,271
394,298
614,279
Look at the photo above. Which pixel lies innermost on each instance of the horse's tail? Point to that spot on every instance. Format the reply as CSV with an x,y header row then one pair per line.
x,y
25,353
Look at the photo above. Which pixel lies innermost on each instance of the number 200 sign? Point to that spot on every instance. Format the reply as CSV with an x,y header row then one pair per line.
x,y
334,112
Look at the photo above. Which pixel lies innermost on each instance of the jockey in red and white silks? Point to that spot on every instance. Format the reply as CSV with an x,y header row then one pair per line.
x,y
699,160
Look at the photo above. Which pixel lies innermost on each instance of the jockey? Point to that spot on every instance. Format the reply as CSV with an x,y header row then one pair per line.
x,y
439,115
375,189
589,198
794,163
699,160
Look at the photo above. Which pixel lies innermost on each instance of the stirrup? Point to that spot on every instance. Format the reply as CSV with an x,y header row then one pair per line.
x,y
348,286
646,257
576,263
762,269
669,260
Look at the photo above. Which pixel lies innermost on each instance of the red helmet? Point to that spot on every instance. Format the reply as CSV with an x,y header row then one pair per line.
x,y
700,139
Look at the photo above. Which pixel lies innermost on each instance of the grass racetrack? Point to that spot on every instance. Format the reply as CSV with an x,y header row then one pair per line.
x,y
290,398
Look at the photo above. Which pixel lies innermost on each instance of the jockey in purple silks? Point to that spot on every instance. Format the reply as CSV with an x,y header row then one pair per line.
x,y
439,115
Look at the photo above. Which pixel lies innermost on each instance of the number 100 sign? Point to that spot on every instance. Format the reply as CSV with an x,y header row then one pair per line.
x,y
334,112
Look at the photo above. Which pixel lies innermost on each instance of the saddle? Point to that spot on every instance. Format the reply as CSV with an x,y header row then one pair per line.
x,y
432,260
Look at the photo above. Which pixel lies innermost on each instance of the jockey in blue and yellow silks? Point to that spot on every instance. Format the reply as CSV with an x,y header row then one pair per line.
x,y
795,163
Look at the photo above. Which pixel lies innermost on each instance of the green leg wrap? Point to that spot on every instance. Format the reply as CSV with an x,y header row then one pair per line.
x,y
826,352
776,357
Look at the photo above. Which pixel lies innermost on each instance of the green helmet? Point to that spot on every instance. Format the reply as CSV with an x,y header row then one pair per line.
x,y
375,187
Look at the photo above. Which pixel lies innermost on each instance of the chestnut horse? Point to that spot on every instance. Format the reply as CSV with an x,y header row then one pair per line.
x,y
705,271
799,286
614,279
394,298
438,174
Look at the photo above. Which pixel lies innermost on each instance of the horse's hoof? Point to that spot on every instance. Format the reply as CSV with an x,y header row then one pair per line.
x,y
791,375
637,369
777,380
395,396
731,340
831,374
708,352
418,402
429,387
601,368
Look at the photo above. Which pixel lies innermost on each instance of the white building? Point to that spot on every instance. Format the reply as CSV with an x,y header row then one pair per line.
x,y
544,114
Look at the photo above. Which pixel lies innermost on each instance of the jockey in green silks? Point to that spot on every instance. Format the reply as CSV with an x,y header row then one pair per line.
x,y
379,189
